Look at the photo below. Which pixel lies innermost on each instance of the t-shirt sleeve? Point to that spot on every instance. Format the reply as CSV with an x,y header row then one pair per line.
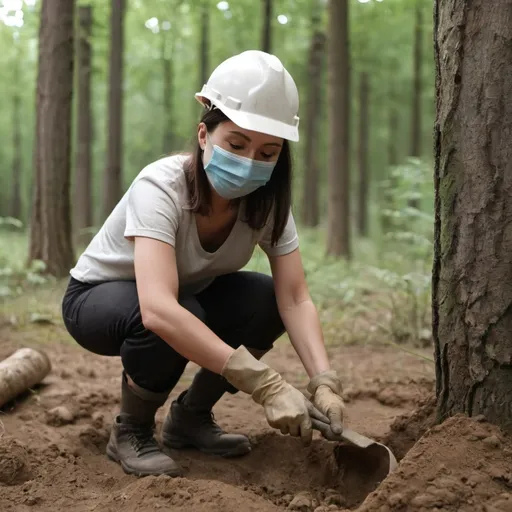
x,y
288,242
152,211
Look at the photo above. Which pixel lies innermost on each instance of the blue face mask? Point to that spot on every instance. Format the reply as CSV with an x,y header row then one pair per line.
x,y
234,176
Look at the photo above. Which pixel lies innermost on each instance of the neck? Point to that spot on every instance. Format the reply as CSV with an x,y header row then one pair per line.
x,y
221,205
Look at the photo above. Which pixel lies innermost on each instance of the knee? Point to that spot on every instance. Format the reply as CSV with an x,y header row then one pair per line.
x,y
152,363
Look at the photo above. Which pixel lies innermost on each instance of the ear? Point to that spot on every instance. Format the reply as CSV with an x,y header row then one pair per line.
x,y
202,131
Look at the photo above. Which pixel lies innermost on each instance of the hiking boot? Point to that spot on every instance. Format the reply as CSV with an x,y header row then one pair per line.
x,y
186,427
135,448
132,443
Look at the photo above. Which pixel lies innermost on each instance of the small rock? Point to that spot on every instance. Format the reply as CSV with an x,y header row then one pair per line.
x,y
98,419
395,500
286,499
491,442
301,502
65,374
60,415
335,499
480,418
321,508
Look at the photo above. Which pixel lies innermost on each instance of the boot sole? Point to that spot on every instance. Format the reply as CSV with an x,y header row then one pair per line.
x,y
178,444
112,455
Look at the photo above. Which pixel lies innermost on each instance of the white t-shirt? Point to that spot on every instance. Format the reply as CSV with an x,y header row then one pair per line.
x,y
156,206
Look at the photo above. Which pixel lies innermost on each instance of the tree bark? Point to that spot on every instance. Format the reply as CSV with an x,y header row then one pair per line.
x,y
113,173
50,235
16,203
338,227
83,193
310,213
472,272
266,30
362,155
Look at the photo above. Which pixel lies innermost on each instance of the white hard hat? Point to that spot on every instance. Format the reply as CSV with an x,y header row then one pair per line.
x,y
256,92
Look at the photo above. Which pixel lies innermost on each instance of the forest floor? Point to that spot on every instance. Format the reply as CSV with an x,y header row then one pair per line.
x,y
50,461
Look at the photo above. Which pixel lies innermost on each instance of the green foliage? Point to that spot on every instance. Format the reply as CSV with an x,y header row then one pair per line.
x,y
15,277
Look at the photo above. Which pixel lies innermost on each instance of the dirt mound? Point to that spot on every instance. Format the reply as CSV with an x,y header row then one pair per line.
x,y
15,465
407,428
461,465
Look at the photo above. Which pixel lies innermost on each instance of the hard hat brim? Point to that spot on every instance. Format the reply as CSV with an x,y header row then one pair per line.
x,y
256,122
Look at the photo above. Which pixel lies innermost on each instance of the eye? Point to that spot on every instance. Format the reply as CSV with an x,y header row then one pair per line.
x,y
267,155
236,147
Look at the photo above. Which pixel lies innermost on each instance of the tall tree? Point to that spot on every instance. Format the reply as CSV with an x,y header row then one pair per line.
x,y
204,44
362,154
113,171
16,202
338,222
266,28
83,168
311,190
50,233
167,89
416,121
472,295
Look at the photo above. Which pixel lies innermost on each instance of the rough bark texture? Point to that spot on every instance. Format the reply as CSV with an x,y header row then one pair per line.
x,y
310,213
50,236
362,155
16,204
266,31
83,193
113,173
338,223
417,89
472,273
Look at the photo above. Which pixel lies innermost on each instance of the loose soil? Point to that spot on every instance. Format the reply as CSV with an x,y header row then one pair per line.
x,y
52,443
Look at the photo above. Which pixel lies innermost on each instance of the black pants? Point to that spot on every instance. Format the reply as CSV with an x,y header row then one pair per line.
x,y
105,319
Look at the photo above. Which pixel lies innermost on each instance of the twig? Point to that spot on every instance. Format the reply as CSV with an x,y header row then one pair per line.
x,y
2,429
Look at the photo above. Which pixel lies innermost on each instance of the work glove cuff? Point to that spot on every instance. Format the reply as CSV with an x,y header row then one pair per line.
x,y
328,378
246,373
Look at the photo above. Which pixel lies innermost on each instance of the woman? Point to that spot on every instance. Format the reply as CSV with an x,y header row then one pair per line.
x,y
160,284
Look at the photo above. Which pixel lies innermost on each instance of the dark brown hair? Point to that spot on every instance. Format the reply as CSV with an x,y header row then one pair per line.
x,y
274,196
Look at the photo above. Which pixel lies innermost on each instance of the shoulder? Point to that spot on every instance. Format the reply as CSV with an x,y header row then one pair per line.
x,y
165,175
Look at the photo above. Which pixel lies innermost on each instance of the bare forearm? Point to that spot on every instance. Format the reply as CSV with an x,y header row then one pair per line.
x,y
190,337
303,327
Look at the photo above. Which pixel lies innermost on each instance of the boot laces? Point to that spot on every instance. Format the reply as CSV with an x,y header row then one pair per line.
x,y
143,441
208,418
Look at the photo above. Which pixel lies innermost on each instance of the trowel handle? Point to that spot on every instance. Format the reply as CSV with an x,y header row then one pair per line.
x,y
347,435
325,430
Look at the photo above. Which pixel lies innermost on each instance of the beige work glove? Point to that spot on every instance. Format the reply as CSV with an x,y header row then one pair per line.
x,y
286,408
325,389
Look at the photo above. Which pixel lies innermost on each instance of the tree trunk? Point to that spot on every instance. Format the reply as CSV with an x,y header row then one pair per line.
x,y
168,134
338,229
83,193
416,93
266,31
472,272
310,214
113,175
204,45
16,204
50,235
362,155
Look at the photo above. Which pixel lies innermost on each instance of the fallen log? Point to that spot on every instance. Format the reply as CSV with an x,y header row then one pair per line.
x,y
20,371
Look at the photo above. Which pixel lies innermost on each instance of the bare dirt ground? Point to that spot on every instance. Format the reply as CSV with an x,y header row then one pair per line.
x,y
52,443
